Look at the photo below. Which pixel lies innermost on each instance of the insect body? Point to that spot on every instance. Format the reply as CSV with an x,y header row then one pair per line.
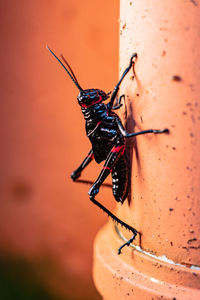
x,y
107,136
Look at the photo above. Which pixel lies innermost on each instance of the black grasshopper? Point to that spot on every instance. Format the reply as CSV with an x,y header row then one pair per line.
x,y
107,136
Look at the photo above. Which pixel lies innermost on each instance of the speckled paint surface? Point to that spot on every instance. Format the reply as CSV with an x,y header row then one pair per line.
x,y
164,198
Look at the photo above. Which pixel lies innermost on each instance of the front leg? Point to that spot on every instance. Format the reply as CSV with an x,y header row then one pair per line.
x,y
118,103
116,89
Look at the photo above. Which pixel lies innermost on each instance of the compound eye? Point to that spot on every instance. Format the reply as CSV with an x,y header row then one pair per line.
x,y
93,96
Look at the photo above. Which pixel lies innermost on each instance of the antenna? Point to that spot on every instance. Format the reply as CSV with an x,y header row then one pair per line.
x,y
72,76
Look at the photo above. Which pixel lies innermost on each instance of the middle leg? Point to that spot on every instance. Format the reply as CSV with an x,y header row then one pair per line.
x,y
128,135
77,173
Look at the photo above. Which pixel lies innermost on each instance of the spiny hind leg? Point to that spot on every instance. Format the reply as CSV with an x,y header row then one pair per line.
x,y
116,219
120,195
110,163
127,243
113,157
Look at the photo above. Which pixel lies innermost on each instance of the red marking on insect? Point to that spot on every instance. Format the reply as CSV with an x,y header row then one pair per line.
x,y
92,103
90,155
107,168
84,105
118,149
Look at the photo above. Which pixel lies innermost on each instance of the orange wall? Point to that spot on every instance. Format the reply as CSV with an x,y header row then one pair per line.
x,y
44,216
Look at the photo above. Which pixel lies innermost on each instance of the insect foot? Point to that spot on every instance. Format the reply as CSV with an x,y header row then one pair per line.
x,y
128,242
75,175
132,61
134,55
166,130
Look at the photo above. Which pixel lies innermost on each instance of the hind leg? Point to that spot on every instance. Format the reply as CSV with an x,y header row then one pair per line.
x,y
120,179
115,219
110,164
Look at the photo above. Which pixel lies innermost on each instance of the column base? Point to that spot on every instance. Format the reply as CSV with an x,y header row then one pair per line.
x,y
136,275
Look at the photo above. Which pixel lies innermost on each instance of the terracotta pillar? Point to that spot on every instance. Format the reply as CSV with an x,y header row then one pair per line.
x,y
165,187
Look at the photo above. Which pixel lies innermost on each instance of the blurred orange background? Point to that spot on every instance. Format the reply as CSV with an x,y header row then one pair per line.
x,y
47,223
